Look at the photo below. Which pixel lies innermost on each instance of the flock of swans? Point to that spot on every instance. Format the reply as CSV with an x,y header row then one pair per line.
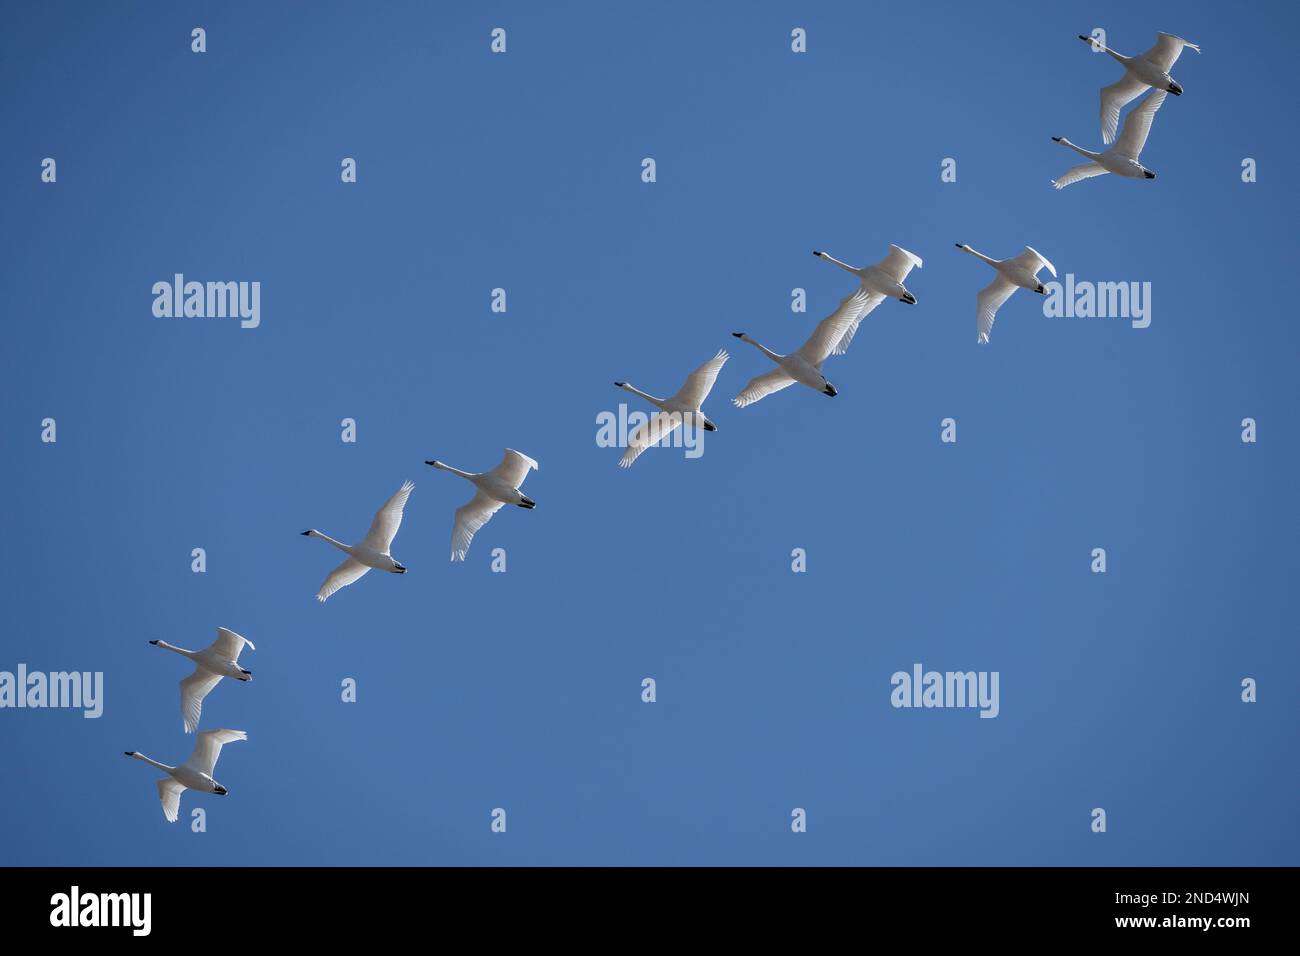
x,y
832,336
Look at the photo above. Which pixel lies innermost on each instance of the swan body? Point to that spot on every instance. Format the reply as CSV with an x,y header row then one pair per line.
x,y
804,365
219,659
193,774
881,281
495,489
372,551
1122,158
682,408
1020,272
1149,69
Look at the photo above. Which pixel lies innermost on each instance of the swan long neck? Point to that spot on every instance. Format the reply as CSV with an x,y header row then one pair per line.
x,y
636,391
153,763
762,348
979,255
843,265
172,647
455,471
1079,149
338,544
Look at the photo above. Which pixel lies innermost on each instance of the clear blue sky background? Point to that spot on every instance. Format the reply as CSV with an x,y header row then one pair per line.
x,y
522,690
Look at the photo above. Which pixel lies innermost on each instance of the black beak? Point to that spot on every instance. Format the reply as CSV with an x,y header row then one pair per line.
x,y
737,334
306,532
1175,89
220,791
830,390
709,426
1149,174
909,298
1040,290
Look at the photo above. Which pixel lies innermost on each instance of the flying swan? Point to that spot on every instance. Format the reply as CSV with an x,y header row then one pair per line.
x,y
193,774
681,408
219,659
805,365
1150,69
496,488
372,552
884,279
1020,272
1122,158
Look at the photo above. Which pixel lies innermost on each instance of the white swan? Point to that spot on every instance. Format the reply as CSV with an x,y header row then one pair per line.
x,y
880,281
496,488
193,774
1149,69
682,408
1122,158
805,365
372,552
1020,272
219,659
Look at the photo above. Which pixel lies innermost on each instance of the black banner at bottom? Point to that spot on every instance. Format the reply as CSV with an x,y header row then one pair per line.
x,y
326,905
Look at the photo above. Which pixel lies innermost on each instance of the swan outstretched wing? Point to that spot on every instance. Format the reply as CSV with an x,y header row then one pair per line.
x,y
169,791
762,386
898,263
1031,260
1167,50
700,382
1137,125
471,516
651,432
1075,173
387,520
1113,99
873,299
193,689
228,644
347,572
207,748
514,468
831,329
987,304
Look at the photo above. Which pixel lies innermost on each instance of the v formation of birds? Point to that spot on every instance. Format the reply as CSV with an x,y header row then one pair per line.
x,y
1145,73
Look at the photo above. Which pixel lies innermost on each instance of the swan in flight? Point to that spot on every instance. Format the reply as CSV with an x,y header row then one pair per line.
x,y
884,279
1150,69
681,408
805,365
1122,158
193,774
1020,272
219,659
372,552
496,488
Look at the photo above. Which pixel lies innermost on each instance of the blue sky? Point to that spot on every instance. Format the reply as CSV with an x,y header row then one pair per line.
x,y
522,690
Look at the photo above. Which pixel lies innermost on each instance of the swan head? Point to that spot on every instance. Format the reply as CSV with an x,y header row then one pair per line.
x,y
739,335
709,426
1148,174
1041,290
829,390
432,463
248,675
309,533
219,790
619,384
908,298
399,568
1174,88
154,643
129,753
